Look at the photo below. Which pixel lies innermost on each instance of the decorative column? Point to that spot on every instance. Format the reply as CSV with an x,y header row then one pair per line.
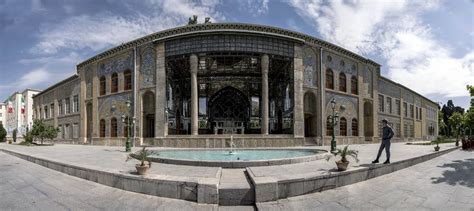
x,y
265,62
298,115
193,60
161,122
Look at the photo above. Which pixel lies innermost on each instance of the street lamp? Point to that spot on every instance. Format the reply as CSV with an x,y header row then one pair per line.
x,y
334,119
128,122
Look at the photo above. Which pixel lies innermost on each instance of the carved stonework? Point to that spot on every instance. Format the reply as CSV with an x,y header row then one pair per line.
x,y
116,64
309,63
147,68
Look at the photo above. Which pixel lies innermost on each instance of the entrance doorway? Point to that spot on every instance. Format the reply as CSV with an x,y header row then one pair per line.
x,y
368,120
309,115
148,114
229,111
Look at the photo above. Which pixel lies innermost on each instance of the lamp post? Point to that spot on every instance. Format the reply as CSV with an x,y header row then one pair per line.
x,y
334,118
129,122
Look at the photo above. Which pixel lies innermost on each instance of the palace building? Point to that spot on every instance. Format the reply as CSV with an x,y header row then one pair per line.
x,y
195,85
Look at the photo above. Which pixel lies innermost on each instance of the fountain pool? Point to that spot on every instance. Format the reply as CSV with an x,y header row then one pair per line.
x,y
237,158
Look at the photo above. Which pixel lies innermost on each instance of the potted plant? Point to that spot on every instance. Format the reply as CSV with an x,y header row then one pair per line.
x,y
436,148
145,162
344,153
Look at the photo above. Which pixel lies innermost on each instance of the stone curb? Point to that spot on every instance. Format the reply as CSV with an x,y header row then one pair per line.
x,y
271,189
202,190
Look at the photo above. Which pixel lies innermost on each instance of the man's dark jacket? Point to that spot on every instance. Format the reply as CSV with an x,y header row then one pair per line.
x,y
387,133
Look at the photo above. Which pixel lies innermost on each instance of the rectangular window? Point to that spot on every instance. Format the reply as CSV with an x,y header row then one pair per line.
x,y
52,111
420,114
202,106
397,106
381,106
416,112
389,105
405,130
397,131
68,105
46,114
75,130
75,105
66,132
411,111
255,106
405,109
60,107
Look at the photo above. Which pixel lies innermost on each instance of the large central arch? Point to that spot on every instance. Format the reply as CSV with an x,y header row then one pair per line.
x,y
229,110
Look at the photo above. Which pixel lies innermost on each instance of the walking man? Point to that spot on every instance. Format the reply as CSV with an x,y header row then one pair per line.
x,y
387,134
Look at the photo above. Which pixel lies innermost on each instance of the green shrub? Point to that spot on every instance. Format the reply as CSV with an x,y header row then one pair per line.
x,y
3,133
15,131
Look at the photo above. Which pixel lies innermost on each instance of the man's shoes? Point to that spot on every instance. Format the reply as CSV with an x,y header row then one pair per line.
x,y
386,162
375,161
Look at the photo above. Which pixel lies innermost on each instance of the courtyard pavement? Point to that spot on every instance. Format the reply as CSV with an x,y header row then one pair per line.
x,y
442,183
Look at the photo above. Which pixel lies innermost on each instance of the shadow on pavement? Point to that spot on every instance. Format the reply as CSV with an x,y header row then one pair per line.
x,y
461,173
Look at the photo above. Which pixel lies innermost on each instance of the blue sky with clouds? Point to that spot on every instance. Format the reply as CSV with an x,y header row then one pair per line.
x,y
425,45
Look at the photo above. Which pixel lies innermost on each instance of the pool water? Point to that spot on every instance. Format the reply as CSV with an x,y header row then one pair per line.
x,y
225,155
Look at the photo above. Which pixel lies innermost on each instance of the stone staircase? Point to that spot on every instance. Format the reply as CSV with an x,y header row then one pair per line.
x,y
235,188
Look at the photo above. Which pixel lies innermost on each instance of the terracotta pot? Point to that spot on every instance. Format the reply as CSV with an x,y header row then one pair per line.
x,y
342,166
141,170
436,148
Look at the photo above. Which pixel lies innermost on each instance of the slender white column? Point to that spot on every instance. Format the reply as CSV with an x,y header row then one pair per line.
x,y
265,62
193,60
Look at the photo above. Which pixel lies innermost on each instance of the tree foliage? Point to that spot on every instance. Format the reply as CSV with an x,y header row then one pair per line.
x,y
448,110
3,133
42,131
455,121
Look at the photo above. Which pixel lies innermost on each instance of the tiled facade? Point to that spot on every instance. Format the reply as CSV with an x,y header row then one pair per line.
x,y
141,72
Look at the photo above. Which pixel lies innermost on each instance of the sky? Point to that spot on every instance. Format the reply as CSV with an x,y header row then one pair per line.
x,y
424,45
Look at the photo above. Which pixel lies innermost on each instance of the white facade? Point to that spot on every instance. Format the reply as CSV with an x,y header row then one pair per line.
x,y
2,113
18,112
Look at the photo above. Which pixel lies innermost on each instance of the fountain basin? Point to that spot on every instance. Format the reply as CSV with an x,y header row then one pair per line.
x,y
241,158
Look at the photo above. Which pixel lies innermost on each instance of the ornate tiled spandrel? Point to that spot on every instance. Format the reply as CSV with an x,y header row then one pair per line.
x,y
367,81
147,67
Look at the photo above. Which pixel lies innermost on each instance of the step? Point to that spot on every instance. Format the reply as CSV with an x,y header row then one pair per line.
x,y
235,188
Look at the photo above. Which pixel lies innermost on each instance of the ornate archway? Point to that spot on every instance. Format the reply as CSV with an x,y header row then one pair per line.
x,y
229,111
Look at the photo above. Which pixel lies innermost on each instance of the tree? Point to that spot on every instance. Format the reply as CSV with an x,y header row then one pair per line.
x,y
3,133
456,121
468,122
15,131
42,131
448,111
442,127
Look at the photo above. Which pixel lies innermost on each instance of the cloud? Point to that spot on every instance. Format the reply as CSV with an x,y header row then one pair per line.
x,y
394,30
104,30
33,78
254,7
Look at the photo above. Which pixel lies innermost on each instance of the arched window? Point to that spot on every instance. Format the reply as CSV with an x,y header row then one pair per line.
x,y
354,85
114,84
102,85
355,127
328,126
127,82
343,126
102,128
113,127
342,82
329,79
